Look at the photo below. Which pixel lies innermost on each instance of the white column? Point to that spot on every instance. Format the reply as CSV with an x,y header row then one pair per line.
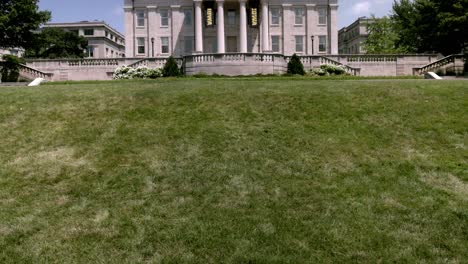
x,y
220,27
265,27
198,27
243,27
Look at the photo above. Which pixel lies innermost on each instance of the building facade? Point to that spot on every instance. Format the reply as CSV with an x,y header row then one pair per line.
x,y
103,40
351,38
160,28
19,52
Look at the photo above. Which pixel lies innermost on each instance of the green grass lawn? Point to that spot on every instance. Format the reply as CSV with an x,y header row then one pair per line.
x,y
235,171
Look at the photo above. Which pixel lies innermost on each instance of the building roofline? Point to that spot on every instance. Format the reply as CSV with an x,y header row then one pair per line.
x,y
84,24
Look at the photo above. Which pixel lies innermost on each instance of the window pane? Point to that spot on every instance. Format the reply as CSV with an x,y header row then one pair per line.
x,y
188,17
164,17
275,16
164,45
299,44
275,43
188,45
141,45
298,15
322,43
323,15
231,17
89,32
141,18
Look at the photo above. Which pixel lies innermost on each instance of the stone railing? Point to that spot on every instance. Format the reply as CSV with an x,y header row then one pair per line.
x,y
455,60
154,62
33,73
372,58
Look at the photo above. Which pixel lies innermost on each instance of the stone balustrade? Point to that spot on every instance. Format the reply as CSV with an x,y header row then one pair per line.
x,y
239,64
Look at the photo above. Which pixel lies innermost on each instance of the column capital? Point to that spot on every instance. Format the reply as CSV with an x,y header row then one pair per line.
x,y
175,6
311,6
153,7
197,2
128,8
220,1
242,1
333,6
286,5
265,2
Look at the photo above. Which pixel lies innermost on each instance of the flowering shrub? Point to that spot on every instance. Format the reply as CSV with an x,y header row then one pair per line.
x,y
142,72
329,69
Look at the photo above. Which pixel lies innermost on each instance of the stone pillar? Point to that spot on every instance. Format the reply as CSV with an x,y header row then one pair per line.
x,y
198,27
265,27
333,29
220,27
311,24
243,27
129,32
177,21
152,29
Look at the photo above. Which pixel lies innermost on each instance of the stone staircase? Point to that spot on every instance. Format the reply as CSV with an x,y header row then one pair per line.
x,y
453,63
349,69
31,73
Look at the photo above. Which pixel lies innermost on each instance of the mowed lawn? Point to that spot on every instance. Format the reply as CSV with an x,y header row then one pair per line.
x,y
235,171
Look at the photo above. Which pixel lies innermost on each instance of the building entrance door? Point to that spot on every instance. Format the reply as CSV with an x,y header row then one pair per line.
x,y
231,44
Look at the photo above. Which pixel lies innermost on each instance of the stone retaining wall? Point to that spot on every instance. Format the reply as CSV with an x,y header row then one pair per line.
x,y
235,64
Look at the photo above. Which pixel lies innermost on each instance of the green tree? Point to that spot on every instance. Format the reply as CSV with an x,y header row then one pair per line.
x,y
382,37
171,69
432,25
18,19
10,70
52,43
295,66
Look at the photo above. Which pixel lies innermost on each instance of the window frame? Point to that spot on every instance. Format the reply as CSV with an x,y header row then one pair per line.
x,y
140,19
188,22
278,44
164,18
324,45
164,45
275,16
88,30
322,15
297,42
231,11
296,15
139,45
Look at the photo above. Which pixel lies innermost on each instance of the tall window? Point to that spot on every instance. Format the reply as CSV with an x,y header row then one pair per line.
x,y
89,32
164,17
188,17
299,43
299,16
231,17
140,18
90,51
188,45
164,45
323,12
275,43
141,49
322,43
275,16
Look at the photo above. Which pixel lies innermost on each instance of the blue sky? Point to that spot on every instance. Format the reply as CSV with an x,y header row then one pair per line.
x,y
111,10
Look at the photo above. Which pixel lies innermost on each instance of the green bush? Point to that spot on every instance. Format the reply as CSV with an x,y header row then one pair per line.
x,y
329,69
295,66
10,70
171,69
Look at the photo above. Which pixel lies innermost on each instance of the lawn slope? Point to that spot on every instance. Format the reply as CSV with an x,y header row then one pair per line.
x,y
234,171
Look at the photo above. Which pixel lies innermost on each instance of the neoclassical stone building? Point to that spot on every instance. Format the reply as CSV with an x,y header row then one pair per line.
x,y
159,28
